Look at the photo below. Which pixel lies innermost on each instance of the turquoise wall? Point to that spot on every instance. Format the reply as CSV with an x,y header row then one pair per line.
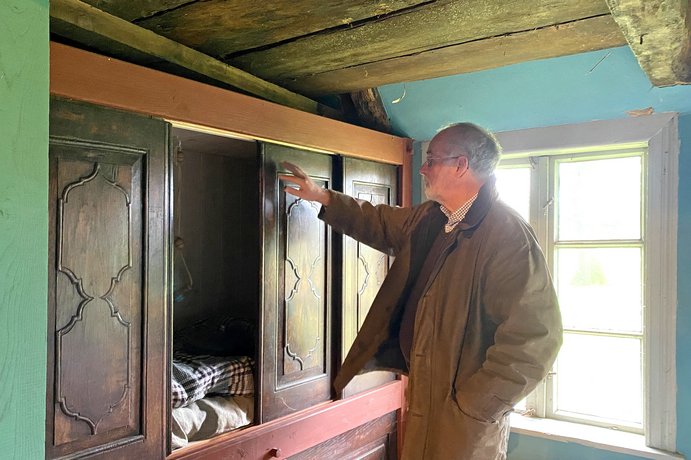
x,y
585,87
23,226
589,86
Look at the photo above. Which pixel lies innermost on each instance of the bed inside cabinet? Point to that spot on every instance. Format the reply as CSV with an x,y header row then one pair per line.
x,y
252,280
215,285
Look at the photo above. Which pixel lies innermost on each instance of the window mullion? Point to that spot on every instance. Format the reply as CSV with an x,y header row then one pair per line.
x,y
541,209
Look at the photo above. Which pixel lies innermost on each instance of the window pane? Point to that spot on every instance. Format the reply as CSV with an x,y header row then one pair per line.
x,y
600,377
599,199
600,288
513,185
521,406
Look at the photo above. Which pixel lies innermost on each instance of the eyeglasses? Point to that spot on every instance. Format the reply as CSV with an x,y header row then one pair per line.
x,y
430,160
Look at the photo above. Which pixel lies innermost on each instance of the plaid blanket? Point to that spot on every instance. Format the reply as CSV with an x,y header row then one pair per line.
x,y
196,376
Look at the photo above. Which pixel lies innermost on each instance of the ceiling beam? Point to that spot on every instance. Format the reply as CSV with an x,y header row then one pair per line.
x,y
575,37
220,28
658,32
93,20
370,109
132,9
430,26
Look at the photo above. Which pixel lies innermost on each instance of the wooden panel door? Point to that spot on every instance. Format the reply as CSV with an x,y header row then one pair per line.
x,y
107,361
364,268
296,314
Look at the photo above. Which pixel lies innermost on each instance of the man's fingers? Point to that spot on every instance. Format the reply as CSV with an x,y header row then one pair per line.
x,y
294,169
291,179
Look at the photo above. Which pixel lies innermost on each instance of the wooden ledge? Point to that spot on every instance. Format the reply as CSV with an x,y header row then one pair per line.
x,y
300,431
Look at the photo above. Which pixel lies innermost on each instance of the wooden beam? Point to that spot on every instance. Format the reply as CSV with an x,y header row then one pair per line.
x,y
86,17
370,109
658,32
89,77
433,25
575,37
135,9
222,27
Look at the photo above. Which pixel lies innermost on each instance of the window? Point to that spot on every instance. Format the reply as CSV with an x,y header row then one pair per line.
x,y
605,215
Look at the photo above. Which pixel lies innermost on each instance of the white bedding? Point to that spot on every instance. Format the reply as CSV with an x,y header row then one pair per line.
x,y
209,417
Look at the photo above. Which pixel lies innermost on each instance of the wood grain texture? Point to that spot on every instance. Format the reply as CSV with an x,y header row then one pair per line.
x,y
375,440
107,303
576,37
136,9
659,33
405,177
296,281
86,76
431,26
220,239
295,433
364,268
84,16
223,27
23,227
370,109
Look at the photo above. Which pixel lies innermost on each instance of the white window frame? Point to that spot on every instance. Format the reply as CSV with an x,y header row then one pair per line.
x,y
658,134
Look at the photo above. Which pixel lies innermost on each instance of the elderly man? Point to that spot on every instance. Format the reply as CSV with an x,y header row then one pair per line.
x,y
468,309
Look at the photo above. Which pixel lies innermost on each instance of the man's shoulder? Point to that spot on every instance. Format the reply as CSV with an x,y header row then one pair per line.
x,y
505,222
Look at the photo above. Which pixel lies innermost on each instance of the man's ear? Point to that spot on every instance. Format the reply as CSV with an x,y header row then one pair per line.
x,y
462,166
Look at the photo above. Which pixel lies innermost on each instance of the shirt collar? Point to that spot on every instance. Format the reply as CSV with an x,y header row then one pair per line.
x,y
454,217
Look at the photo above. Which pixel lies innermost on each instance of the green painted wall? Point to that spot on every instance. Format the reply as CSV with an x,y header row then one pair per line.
x,y
24,74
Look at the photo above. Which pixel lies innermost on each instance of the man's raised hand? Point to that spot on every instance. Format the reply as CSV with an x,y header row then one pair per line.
x,y
301,186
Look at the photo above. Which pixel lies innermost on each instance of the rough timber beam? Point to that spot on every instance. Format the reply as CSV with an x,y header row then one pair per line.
x,y
576,37
431,26
658,32
86,17
370,109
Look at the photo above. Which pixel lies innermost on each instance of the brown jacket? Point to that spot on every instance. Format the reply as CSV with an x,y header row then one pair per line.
x,y
487,328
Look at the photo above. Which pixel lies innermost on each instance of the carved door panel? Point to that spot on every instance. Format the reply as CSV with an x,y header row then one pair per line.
x,y
106,307
364,268
295,324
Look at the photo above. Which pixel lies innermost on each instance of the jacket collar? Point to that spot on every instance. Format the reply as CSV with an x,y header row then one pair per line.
x,y
481,206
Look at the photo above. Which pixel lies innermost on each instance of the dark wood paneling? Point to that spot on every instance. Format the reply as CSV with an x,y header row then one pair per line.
x,y
296,279
364,268
216,214
375,440
107,362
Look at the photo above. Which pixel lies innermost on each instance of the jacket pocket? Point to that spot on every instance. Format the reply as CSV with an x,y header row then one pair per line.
x,y
468,413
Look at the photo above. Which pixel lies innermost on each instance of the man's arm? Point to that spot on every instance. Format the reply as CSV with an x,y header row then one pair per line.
x,y
382,227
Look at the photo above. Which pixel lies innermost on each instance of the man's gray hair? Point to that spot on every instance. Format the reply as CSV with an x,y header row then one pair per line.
x,y
480,146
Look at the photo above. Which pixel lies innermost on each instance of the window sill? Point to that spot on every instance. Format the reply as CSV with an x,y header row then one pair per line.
x,y
591,436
